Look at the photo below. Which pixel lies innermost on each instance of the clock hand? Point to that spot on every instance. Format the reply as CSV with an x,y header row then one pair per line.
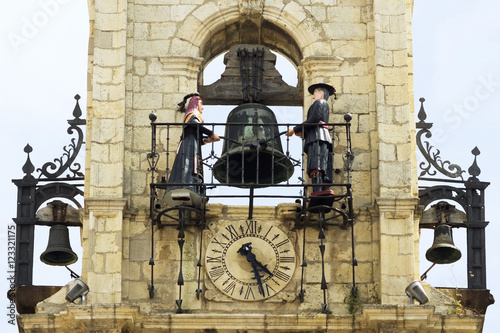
x,y
264,268
257,276
246,250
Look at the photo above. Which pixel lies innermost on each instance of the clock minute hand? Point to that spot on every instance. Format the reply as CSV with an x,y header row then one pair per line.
x,y
246,250
255,270
264,268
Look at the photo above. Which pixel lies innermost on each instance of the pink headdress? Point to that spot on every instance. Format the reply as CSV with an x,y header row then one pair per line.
x,y
192,108
192,105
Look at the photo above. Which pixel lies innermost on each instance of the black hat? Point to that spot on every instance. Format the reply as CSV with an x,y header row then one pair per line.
x,y
331,90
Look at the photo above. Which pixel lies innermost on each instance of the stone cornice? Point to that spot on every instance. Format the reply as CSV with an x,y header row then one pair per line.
x,y
372,317
106,204
179,65
396,204
322,64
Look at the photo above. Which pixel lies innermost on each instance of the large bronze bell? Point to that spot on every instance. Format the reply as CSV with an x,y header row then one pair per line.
x,y
443,250
58,252
252,151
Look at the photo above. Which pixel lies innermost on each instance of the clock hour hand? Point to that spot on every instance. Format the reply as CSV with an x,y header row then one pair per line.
x,y
246,250
263,267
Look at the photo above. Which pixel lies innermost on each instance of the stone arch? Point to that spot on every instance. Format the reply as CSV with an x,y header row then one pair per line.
x,y
287,28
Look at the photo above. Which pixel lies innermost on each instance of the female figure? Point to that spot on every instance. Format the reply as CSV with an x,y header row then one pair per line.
x,y
187,170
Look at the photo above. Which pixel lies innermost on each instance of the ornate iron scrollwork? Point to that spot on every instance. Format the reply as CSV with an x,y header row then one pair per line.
x,y
33,192
66,161
432,154
468,193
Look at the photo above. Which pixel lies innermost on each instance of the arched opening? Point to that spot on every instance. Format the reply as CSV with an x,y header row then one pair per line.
x,y
285,114
50,275
262,33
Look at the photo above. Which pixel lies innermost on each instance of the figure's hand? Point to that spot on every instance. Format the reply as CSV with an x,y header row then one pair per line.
x,y
209,139
290,132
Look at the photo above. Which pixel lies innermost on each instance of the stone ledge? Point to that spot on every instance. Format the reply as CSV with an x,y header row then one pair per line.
x,y
373,318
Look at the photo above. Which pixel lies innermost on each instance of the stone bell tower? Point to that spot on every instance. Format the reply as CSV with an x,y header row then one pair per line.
x,y
144,275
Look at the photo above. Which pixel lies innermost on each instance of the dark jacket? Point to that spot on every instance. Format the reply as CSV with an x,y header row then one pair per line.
x,y
313,130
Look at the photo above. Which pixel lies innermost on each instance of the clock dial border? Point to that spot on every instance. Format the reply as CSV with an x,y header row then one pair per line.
x,y
232,273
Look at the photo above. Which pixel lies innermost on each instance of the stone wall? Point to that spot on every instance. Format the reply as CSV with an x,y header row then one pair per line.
x,y
145,55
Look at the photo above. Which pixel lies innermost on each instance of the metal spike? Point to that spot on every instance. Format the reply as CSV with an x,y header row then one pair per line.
x,y
322,249
179,305
324,286
77,112
321,234
180,280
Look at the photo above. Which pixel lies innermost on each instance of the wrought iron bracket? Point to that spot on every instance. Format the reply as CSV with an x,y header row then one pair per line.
x,y
468,193
50,184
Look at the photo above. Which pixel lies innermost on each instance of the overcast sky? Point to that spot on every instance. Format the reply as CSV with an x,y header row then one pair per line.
x,y
455,45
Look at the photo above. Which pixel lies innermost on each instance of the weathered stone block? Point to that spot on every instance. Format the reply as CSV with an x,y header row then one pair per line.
x,y
151,13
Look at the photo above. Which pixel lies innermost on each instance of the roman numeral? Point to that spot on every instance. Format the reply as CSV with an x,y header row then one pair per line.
x,y
249,293
230,288
216,241
282,276
232,231
214,259
287,259
251,227
282,242
268,231
216,272
267,289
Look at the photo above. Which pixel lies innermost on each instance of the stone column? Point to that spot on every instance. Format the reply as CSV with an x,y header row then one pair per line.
x,y
396,203
107,110
103,250
397,247
104,203
392,99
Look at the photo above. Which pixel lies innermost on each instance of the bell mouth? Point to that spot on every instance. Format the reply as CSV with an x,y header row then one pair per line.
x,y
243,167
59,257
58,252
443,250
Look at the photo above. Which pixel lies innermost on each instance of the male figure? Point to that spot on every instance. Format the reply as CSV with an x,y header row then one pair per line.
x,y
318,143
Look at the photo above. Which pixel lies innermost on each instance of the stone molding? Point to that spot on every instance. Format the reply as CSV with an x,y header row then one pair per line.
x,y
105,204
178,65
321,65
119,317
384,204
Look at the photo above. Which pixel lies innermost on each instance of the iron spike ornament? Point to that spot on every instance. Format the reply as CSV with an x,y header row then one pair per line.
x,y
250,260
470,194
53,170
432,154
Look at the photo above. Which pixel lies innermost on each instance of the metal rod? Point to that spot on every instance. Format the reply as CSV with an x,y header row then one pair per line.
x,y
424,276
250,205
304,263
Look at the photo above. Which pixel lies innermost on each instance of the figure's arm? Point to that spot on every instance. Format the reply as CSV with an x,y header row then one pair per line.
x,y
313,117
210,135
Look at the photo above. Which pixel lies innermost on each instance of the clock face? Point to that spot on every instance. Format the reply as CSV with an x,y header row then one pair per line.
x,y
250,260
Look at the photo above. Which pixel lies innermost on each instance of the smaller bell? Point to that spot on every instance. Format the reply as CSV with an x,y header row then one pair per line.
x,y
443,250
58,252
